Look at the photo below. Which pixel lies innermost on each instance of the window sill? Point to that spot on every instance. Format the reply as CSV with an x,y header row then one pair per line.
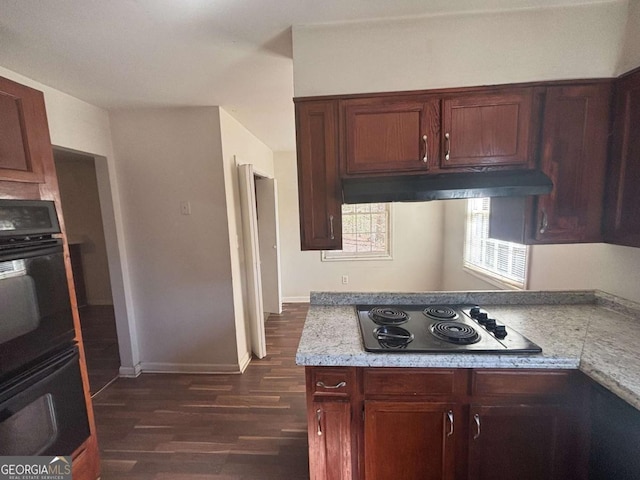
x,y
482,275
355,258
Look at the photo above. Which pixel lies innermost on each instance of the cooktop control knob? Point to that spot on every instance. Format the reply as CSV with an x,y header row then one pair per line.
x,y
490,324
474,312
500,331
482,318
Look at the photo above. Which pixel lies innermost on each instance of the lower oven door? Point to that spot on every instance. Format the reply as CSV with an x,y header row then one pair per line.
x,y
43,411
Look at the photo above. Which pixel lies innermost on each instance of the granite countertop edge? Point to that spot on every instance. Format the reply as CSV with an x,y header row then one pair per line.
x,y
583,353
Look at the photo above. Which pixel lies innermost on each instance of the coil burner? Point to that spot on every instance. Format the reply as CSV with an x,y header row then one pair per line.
x,y
455,332
388,315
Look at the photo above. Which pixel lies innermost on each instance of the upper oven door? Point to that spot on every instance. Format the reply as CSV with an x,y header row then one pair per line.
x,y
35,318
21,218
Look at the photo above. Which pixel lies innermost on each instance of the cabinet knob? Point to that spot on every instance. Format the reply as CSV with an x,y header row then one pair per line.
x,y
331,227
319,420
337,385
450,416
448,143
476,418
425,159
544,221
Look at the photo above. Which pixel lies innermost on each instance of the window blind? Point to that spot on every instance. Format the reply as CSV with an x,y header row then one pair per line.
x,y
505,261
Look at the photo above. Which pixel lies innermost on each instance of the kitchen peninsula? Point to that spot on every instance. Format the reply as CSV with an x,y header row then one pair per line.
x,y
473,415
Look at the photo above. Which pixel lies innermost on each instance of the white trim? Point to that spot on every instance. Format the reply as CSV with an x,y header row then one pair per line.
x,y
302,299
130,372
162,367
245,361
489,278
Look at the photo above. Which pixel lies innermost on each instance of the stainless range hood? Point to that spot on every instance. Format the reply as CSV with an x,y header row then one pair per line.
x,y
443,186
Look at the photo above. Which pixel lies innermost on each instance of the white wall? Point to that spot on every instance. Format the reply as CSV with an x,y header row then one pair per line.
x,y
418,248
180,264
239,146
630,55
459,50
80,126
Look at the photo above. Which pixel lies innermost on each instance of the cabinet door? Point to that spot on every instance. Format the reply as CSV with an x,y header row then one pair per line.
x,y
487,129
24,134
622,225
574,155
524,442
390,134
318,176
409,440
330,440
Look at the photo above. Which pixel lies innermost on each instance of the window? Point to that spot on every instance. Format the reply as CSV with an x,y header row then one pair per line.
x,y
366,233
502,262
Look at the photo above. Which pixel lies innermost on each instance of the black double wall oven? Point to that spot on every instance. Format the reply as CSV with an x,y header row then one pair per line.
x,y
42,407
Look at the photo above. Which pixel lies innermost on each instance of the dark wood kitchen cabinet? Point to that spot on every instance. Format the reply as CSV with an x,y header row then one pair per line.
x,y
451,424
575,134
409,440
622,218
24,135
319,190
330,419
489,129
27,172
390,134
527,442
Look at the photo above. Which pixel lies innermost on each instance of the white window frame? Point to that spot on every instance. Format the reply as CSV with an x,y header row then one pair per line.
x,y
341,256
484,271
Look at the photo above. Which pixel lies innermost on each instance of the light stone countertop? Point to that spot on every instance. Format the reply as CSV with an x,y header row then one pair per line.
x,y
587,330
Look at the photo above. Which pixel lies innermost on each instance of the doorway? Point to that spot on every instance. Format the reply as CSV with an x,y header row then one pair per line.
x,y
259,206
81,210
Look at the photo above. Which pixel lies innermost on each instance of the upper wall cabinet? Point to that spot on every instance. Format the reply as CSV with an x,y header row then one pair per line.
x,y
25,145
318,176
390,134
488,129
622,219
573,154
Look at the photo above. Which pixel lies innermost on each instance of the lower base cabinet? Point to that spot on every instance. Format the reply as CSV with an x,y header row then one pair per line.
x,y
409,440
524,442
447,424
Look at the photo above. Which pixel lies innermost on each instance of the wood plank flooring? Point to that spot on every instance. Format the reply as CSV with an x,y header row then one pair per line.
x,y
100,344
211,427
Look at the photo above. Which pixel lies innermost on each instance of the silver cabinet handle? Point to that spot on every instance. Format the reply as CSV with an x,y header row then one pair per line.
x,y
337,385
448,151
476,418
425,159
331,227
450,415
319,420
544,222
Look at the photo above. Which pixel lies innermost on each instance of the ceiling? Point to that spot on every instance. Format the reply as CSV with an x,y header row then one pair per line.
x,y
150,53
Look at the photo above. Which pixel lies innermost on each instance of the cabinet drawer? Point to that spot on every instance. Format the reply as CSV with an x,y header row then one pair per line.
x,y
406,381
329,381
518,382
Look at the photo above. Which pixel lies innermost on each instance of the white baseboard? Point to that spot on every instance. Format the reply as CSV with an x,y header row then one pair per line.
x,y
130,372
296,299
244,361
161,367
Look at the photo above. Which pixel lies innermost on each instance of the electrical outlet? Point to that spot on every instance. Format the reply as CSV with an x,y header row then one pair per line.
x,y
345,279
185,208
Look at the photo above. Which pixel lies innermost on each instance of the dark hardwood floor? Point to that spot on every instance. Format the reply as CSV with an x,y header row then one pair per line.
x,y
100,344
218,427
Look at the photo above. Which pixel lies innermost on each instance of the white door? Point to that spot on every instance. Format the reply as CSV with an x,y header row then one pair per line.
x,y
252,260
269,244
